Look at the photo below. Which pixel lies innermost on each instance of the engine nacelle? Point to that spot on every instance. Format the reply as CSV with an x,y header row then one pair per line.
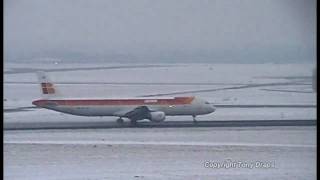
x,y
157,116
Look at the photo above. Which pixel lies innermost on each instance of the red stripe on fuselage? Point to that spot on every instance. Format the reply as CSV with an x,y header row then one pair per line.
x,y
115,102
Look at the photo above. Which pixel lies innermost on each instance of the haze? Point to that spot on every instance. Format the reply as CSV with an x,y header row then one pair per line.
x,y
237,31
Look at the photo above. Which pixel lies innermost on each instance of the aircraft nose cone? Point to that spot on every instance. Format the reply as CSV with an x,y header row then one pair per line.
x,y
36,103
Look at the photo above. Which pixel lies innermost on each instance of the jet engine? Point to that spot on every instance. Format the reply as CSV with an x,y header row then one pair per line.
x,y
157,116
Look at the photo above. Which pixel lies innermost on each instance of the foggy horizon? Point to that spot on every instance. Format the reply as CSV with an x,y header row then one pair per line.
x,y
161,31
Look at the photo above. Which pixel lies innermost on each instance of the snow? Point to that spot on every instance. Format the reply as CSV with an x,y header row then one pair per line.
x,y
164,153
211,77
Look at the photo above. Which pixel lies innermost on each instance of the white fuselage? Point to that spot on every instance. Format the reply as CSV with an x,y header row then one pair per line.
x,y
117,108
152,108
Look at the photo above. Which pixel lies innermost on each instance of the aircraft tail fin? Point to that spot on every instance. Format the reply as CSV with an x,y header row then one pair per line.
x,y
48,89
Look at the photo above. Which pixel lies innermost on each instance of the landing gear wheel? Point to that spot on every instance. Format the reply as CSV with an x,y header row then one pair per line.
x,y
120,121
133,123
194,119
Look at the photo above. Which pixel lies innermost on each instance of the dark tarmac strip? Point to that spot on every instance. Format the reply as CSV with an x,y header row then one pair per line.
x,y
166,124
265,106
285,91
128,83
32,70
228,88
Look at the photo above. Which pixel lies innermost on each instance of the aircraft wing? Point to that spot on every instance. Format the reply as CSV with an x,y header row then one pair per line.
x,y
138,113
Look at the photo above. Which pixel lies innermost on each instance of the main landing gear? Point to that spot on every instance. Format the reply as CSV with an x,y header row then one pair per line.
x,y
120,121
133,122
194,119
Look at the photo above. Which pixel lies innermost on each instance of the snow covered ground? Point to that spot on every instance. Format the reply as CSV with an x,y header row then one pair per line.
x,y
164,153
236,84
184,153
175,79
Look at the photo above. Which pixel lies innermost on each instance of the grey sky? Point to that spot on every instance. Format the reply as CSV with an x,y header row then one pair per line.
x,y
161,31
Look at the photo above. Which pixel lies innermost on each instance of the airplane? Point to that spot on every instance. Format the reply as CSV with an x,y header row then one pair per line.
x,y
135,109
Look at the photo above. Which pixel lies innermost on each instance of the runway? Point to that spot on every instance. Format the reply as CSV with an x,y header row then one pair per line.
x,y
165,124
142,153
